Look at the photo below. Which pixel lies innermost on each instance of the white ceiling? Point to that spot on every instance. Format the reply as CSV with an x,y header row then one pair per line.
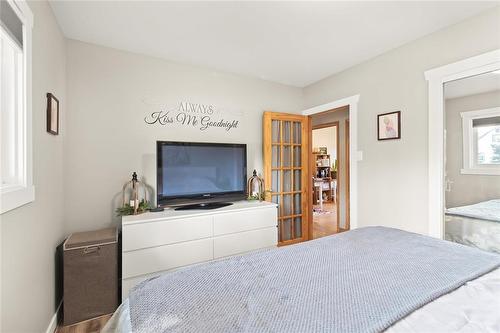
x,y
472,85
294,43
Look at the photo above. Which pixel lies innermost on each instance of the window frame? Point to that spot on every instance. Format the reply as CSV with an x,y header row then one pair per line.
x,y
14,196
470,167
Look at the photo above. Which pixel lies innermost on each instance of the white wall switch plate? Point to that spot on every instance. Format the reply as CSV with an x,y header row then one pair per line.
x,y
360,155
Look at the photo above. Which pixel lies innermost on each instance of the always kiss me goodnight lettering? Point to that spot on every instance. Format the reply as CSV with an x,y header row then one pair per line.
x,y
191,114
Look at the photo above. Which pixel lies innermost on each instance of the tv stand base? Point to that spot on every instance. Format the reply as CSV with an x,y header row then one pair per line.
x,y
207,205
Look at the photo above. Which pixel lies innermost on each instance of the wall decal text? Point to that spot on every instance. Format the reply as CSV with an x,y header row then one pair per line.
x,y
201,116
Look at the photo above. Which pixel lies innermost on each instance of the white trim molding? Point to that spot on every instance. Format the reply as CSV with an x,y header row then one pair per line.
x,y
436,78
356,155
15,197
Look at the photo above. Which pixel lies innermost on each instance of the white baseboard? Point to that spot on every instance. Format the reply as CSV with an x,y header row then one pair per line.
x,y
53,322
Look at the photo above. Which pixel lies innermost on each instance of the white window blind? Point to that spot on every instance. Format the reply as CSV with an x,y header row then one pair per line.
x,y
16,186
11,98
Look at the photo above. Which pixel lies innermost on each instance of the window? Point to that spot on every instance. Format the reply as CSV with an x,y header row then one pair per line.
x,y
481,142
16,186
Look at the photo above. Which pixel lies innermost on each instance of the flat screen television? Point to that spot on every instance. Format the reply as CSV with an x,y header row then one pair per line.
x,y
194,172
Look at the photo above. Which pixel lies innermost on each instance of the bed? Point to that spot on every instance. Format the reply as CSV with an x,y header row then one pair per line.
x,y
370,279
475,225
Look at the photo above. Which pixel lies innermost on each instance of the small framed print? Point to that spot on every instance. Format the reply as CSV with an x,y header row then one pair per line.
x,y
389,126
52,114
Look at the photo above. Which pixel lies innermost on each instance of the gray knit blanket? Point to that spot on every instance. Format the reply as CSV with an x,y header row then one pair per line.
x,y
358,281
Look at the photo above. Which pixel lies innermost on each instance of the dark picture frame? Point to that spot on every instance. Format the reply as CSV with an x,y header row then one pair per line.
x,y
389,126
52,114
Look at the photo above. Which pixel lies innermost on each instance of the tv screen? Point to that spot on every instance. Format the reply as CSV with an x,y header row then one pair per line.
x,y
200,171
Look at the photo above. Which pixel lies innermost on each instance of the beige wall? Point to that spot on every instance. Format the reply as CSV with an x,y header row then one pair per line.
x,y
392,184
466,189
31,233
110,92
340,115
326,137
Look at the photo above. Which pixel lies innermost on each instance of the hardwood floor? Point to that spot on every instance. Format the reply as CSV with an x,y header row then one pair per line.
x,y
325,224
89,326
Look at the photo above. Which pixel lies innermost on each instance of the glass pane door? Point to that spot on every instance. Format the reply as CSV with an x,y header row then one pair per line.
x,y
285,172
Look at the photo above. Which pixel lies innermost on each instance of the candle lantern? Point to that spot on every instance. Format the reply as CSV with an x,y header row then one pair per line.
x,y
255,187
134,197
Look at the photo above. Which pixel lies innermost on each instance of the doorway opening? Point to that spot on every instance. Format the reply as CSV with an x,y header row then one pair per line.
x,y
288,166
329,156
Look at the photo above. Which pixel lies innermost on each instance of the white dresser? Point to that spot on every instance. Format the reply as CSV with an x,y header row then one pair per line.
x,y
156,242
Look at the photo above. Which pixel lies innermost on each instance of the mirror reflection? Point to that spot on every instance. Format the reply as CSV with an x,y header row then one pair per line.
x,y
472,161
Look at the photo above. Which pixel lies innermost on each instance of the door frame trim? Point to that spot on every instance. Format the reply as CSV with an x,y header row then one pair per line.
x,y
352,103
347,131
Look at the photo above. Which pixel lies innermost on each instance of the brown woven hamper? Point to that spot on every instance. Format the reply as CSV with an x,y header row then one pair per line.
x,y
90,275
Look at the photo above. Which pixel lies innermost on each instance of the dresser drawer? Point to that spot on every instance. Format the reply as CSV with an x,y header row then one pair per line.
x,y
232,244
245,220
150,234
166,257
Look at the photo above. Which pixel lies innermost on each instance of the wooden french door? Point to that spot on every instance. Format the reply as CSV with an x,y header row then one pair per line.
x,y
347,177
286,173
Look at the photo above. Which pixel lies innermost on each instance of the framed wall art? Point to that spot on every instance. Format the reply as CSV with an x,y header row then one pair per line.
x,y
52,114
389,126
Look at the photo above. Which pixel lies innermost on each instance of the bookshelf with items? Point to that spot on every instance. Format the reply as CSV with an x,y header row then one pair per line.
x,y
322,176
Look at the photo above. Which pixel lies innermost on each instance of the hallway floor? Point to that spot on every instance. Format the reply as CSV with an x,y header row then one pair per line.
x,y
325,222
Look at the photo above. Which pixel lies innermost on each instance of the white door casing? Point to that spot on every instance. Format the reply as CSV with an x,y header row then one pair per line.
x,y
436,78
